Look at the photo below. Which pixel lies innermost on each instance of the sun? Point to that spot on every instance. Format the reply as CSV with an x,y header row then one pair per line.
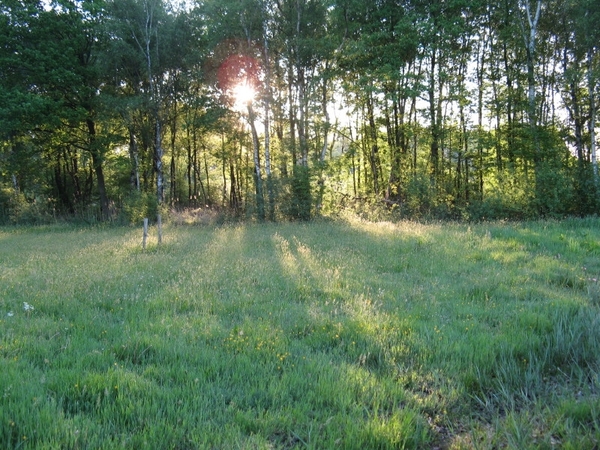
x,y
244,94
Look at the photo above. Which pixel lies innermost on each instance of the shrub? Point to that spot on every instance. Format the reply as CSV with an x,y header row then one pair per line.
x,y
139,205
554,191
18,209
297,204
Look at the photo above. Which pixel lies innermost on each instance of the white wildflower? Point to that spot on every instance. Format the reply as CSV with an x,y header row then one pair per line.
x,y
10,314
27,307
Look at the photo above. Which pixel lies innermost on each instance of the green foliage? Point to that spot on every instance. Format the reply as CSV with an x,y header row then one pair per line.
x,y
297,203
586,195
423,198
17,209
95,94
506,202
554,191
420,196
6,195
139,205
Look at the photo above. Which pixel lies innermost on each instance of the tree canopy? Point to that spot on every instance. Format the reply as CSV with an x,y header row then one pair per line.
x,y
287,109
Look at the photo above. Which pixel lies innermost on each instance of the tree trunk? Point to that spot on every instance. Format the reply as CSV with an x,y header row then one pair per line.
x,y
435,134
97,163
233,196
482,49
592,123
530,37
172,174
396,144
260,203
326,125
208,198
374,149
302,117
149,31
267,125
510,138
158,162
189,165
196,171
292,115
134,178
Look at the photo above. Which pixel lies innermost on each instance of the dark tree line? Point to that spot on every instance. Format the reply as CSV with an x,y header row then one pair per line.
x,y
293,108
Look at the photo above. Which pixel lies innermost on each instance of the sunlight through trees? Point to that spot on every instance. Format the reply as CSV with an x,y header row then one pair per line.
x,y
421,109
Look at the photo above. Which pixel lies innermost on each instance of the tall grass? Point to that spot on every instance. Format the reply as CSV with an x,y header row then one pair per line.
x,y
326,335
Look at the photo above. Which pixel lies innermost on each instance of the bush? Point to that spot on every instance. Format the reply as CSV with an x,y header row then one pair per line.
x,y
5,195
425,199
554,191
297,204
506,201
18,209
139,205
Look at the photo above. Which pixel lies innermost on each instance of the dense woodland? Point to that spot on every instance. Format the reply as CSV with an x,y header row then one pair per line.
x,y
290,109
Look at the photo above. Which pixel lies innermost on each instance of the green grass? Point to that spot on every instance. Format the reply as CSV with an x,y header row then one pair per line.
x,y
350,335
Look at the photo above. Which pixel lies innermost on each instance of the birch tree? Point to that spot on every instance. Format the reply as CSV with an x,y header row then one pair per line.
x,y
529,30
142,23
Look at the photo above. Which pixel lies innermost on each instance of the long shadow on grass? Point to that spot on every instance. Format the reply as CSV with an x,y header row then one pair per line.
x,y
323,335
385,336
465,343
300,346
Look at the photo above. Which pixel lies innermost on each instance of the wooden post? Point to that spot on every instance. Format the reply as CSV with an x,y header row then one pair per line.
x,y
145,238
159,223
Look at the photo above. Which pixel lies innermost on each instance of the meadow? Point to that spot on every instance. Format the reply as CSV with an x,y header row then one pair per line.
x,y
346,334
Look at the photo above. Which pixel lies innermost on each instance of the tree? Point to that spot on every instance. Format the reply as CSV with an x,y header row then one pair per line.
x,y
529,27
51,66
449,107
149,32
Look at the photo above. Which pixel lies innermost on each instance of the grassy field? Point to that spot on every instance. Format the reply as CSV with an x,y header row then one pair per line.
x,y
349,335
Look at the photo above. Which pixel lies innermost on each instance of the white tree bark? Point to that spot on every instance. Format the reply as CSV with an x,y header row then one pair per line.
x,y
257,167
592,124
327,124
530,37
148,30
267,103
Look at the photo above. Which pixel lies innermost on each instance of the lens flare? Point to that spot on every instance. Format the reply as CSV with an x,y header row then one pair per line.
x,y
244,94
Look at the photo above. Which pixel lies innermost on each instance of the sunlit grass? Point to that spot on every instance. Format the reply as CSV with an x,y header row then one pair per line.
x,y
324,335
